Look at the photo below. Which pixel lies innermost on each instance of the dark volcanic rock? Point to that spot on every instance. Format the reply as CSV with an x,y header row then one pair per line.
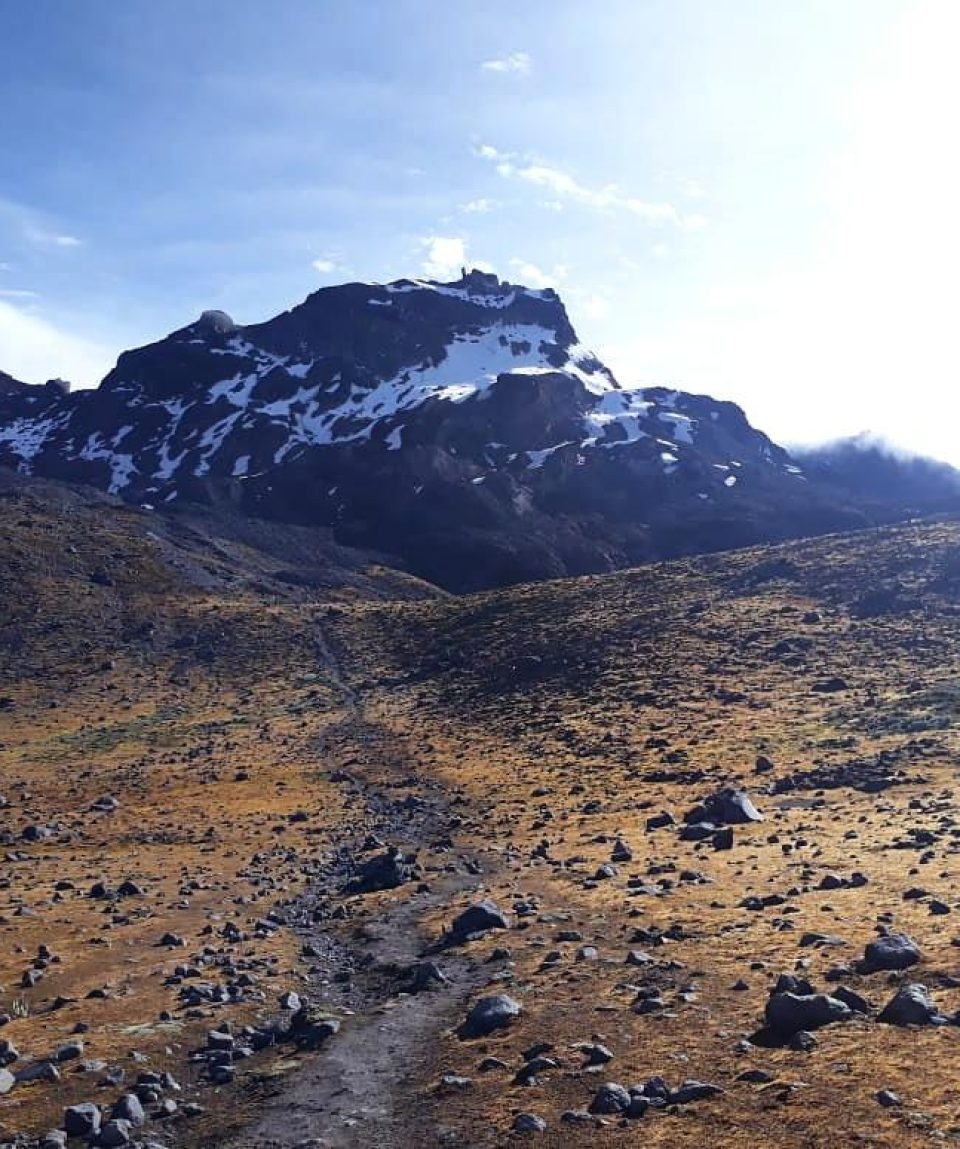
x,y
479,918
788,1013
726,807
610,1098
911,1005
460,426
490,1014
893,951
386,871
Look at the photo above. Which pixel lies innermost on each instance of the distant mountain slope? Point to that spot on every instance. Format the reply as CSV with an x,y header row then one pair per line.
x,y
869,469
11,386
461,426
81,572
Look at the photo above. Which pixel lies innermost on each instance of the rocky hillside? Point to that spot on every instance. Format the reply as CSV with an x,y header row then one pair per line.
x,y
621,859
460,426
869,470
11,386
84,576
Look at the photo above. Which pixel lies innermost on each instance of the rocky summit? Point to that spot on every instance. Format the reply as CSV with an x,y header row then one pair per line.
x,y
460,427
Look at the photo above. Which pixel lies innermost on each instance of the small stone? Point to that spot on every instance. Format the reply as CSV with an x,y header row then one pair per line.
x,y
528,1123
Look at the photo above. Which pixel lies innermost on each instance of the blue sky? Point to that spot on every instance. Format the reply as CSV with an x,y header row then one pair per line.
x,y
752,198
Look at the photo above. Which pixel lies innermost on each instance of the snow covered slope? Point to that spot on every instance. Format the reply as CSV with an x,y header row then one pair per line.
x,y
461,425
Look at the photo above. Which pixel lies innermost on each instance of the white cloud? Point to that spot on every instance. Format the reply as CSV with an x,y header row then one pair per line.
x,y
34,227
530,275
44,237
593,306
478,206
15,293
445,255
324,266
34,349
691,189
607,198
519,63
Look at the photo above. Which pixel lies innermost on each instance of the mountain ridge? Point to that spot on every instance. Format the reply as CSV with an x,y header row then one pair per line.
x,y
460,426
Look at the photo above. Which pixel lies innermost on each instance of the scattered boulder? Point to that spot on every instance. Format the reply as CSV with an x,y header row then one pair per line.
x,y
385,871
489,1014
128,1108
693,1091
310,1029
723,839
116,1133
425,976
478,919
661,821
82,1120
788,1013
725,807
528,1123
911,1005
854,1000
610,1098
621,852
890,952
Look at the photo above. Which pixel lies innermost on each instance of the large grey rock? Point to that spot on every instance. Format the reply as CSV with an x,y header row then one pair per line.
x,y
726,807
893,951
37,1071
788,1013
610,1098
489,1014
116,1133
478,918
128,1108
856,1001
386,871
82,1120
218,321
911,1005
693,1091
310,1029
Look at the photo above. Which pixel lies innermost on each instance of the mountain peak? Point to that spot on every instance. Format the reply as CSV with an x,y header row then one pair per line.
x,y
460,425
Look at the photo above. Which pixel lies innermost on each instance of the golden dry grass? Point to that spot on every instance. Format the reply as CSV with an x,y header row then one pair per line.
x,y
639,692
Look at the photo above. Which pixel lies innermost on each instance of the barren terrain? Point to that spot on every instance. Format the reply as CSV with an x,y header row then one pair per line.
x,y
205,768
